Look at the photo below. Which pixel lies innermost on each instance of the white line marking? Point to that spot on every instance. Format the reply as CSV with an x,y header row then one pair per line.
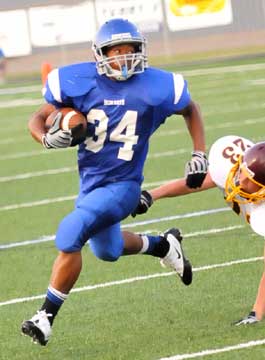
x,y
224,69
257,82
21,90
216,351
28,242
223,125
32,153
37,173
63,198
47,238
208,71
155,155
20,103
174,217
134,279
37,203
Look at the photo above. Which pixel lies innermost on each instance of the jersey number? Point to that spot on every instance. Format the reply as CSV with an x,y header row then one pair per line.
x,y
124,132
233,152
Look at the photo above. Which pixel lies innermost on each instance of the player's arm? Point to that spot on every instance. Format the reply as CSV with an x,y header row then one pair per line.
x,y
258,311
194,122
36,122
196,168
179,187
55,137
174,188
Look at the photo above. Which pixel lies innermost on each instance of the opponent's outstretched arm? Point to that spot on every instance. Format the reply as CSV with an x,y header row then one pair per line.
x,y
174,188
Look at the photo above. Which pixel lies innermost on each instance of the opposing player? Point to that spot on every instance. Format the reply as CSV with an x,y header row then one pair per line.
x,y
237,167
124,101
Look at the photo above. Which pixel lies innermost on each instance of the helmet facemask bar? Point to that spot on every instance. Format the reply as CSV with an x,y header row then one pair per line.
x,y
233,191
129,64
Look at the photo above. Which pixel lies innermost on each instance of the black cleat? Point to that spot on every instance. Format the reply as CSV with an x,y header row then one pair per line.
x,y
175,258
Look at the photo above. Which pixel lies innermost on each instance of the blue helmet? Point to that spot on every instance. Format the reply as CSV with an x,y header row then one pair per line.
x,y
116,32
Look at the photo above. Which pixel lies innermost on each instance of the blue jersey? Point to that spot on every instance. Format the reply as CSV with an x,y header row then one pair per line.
x,y
121,115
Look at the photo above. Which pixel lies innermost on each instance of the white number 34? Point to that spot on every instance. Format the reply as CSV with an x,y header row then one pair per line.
x,y
124,132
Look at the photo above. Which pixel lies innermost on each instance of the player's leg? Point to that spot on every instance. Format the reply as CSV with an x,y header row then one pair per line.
x,y
97,210
259,306
166,246
258,310
109,244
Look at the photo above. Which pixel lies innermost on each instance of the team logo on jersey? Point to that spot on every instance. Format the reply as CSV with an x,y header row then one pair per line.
x,y
114,102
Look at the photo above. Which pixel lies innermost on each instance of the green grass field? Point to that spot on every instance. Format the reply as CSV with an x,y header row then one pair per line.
x,y
133,309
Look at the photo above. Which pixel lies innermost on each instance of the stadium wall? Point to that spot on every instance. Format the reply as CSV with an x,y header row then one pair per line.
x,y
244,35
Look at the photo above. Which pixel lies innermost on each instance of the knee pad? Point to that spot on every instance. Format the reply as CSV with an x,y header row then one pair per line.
x,y
105,254
108,244
72,233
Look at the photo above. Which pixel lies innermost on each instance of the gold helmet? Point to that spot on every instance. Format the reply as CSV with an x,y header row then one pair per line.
x,y
252,164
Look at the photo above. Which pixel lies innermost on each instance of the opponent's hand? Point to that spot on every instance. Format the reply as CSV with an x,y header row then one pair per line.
x,y
248,320
196,169
56,137
144,203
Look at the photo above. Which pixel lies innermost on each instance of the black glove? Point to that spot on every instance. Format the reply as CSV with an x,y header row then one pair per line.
x,y
56,137
144,203
196,169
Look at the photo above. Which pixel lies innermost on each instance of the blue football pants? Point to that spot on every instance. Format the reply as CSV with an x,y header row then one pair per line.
x,y
97,217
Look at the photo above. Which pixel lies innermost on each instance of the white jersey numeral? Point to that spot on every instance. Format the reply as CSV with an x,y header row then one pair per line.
x,y
124,132
100,119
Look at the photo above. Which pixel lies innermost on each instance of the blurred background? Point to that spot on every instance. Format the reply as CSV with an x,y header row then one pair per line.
x,y
60,31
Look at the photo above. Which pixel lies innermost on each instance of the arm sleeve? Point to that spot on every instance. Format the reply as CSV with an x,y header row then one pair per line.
x,y
53,92
181,93
177,97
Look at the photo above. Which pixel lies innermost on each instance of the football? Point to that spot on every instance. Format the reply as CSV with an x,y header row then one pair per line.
x,y
72,120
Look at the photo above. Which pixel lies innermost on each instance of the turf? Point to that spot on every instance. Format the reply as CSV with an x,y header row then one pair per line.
x,y
154,317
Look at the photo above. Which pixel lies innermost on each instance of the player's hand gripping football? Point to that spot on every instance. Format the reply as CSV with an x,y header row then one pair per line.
x,y
57,138
196,169
144,203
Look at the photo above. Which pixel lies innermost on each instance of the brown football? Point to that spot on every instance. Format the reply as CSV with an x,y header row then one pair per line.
x,y
72,120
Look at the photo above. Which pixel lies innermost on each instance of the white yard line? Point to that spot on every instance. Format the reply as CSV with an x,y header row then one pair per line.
x,y
37,203
207,352
196,72
21,90
63,198
26,154
224,69
223,125
37,174
20,103
47,238
133,280
256,82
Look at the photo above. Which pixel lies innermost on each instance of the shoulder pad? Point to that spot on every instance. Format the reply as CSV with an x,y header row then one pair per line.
x,y
73,80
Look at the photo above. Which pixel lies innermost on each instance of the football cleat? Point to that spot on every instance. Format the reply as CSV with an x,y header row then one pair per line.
x,y
175,258
38,327
248,320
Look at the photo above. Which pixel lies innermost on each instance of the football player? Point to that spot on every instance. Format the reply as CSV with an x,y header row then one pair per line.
x,y
124,101
237,168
